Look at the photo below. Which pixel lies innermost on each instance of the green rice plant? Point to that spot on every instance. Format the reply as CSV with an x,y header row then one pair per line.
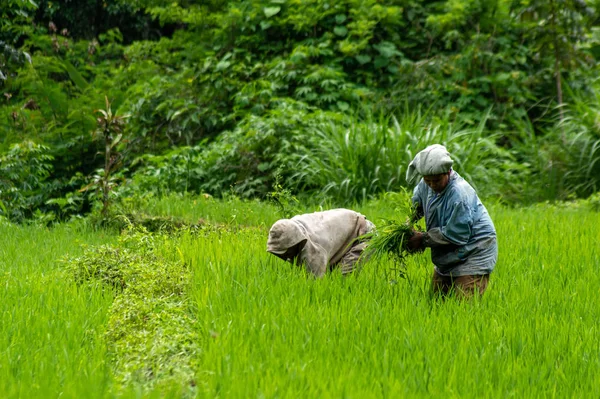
x,y
391,239
261,328
51,334
203,208
364,337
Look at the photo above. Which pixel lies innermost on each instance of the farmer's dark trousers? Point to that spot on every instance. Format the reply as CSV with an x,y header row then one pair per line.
x,y
463,286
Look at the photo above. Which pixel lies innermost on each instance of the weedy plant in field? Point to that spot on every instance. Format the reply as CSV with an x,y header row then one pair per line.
x,y
109,131
287,204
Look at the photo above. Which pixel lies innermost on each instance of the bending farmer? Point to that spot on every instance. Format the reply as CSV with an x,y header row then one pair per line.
x,y
321,240
460,232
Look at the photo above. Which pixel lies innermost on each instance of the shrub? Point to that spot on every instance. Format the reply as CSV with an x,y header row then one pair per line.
x,y
23,174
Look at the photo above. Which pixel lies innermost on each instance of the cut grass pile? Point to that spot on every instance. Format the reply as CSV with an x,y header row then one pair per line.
x,y
151,333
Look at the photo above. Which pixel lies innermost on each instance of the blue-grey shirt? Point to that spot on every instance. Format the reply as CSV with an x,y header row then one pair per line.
x,y
463,236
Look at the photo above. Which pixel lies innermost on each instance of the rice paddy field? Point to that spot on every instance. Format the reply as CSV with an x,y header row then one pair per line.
x,y
88,313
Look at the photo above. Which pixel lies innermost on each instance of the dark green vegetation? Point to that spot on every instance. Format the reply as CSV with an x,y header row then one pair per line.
x,y
116,100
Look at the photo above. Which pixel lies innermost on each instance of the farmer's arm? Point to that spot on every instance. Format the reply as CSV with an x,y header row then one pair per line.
x,y
418,213
417,200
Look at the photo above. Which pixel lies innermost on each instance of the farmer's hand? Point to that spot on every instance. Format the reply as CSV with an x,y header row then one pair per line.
x,y
415,242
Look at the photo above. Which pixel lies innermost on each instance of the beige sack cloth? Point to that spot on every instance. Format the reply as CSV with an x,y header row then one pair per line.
x,y
328,234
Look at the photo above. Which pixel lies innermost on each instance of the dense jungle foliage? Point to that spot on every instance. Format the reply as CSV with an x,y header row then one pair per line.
x,y
106,102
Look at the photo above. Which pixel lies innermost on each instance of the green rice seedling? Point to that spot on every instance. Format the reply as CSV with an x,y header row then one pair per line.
x,y
390,240
228,320
205,209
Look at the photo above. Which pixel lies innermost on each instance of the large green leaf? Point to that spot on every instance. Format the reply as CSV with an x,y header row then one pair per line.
x,y
340,30
270,11
75,76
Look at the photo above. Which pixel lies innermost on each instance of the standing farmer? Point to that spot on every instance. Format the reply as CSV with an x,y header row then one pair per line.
x,y
320,241
460,232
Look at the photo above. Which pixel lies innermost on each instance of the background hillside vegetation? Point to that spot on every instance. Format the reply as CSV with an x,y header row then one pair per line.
x,y
119,99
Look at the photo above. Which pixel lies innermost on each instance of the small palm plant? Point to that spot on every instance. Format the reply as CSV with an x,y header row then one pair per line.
x,y
110,132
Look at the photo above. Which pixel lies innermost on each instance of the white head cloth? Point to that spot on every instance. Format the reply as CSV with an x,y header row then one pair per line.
x,y
433,160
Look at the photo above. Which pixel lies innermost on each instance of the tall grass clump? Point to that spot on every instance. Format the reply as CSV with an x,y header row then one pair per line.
x,y
562,160
580,133
370,156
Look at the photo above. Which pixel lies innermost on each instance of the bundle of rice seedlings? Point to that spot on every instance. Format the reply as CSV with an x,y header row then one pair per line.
x,y
391,241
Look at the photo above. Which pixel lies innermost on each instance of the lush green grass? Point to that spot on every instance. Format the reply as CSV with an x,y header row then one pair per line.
x,y
366,157
233,211
272,332
50,330
267,330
